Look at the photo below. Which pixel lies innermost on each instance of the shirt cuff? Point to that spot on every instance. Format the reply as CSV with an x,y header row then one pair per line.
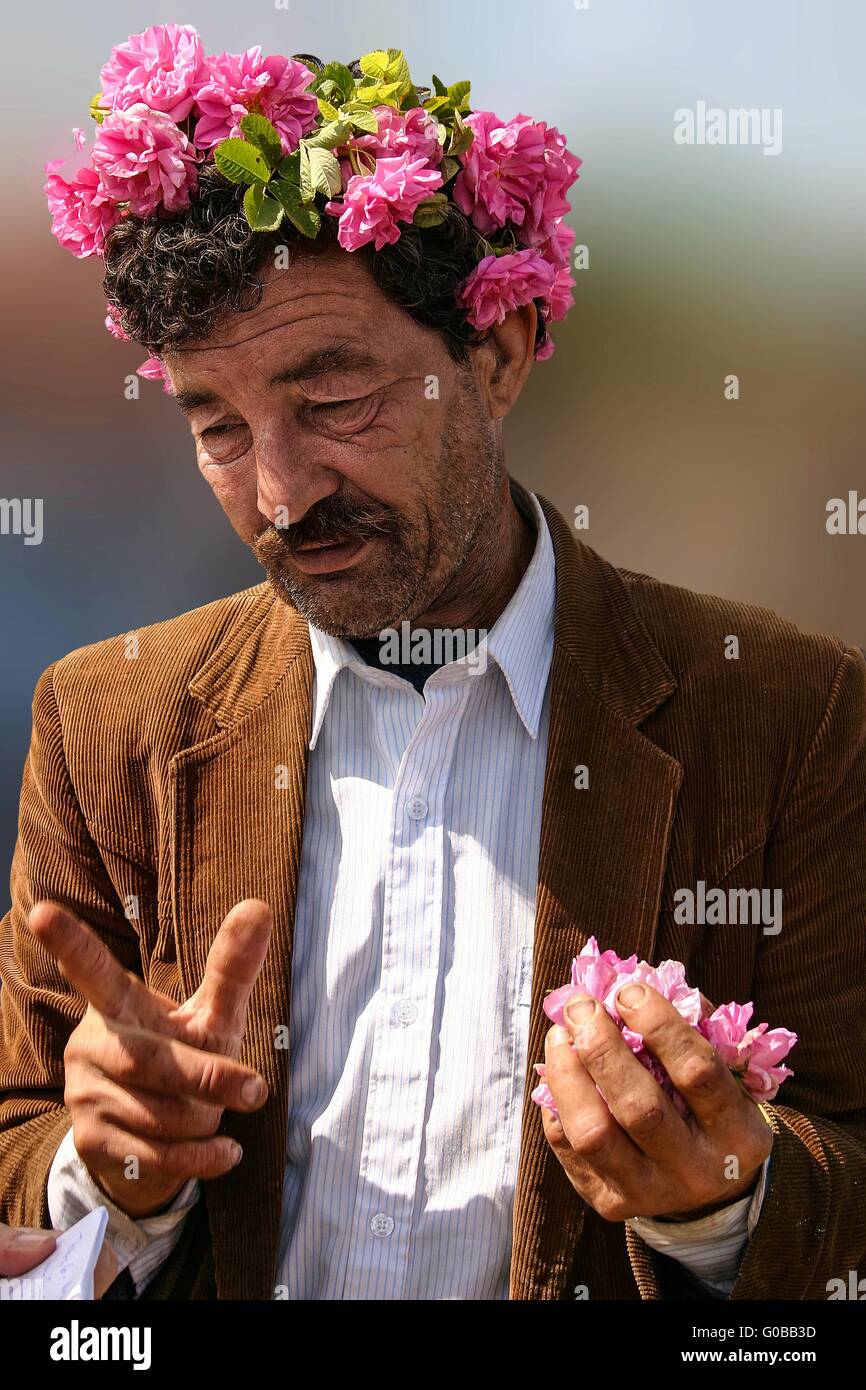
x,y
710,1248
139,1246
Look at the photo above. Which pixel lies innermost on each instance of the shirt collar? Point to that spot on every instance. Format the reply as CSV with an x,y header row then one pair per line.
x,y
520,641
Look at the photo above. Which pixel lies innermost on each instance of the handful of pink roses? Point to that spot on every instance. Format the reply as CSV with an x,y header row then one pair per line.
x,y
753,1054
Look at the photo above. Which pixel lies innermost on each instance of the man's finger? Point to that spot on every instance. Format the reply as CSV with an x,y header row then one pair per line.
x,y
590,1129
91,968
22,1249
152,1062
142,1112
695,1068
233,965
636,1100
157,1158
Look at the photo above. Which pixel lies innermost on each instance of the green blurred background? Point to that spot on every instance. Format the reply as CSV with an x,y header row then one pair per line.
x,y
704,261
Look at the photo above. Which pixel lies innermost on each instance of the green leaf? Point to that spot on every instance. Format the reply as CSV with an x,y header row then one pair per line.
x,y
327,137
365,95
375,64
450,167
458,95
341,77
360,117
461,136
439,87
241,162
289,167
302,215
263,135
431,212
263,212
320,173
98,113
328,110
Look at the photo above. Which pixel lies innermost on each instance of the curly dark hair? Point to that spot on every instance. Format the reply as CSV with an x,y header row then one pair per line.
x,y
171,279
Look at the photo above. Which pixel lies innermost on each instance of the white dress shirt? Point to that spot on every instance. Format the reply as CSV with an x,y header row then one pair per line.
x,y
411,975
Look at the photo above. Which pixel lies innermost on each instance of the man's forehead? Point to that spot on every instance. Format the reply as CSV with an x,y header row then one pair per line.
x,y
306,364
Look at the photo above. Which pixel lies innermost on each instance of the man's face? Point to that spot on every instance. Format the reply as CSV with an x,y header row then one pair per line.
x,y
347,448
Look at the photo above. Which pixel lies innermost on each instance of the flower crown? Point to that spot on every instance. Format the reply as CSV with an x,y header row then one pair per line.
x,y
362,145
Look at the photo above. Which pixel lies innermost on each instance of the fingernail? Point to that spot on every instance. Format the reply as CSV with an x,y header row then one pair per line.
x,y
237,1153
581,1010
558,1036
252,1090
28,1240
631,996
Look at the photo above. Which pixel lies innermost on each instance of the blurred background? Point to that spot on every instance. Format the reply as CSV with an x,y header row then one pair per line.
x,y
704,261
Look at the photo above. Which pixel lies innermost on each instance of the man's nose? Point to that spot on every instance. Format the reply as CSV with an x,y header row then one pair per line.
x,y
289,480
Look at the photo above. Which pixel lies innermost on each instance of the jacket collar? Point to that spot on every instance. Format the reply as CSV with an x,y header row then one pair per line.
x,y
595,623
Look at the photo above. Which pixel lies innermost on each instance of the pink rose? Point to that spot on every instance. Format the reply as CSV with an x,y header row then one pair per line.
x,y
373,204
752,1054
499,284
242,82
162,68
515,172
153,369
399,132
144,159
112,323
81,213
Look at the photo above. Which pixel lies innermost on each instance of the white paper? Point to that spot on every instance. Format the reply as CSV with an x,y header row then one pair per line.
x,y
68,1271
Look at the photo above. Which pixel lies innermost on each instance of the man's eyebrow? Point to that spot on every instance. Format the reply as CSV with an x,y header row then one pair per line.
x,y
341,358
189,400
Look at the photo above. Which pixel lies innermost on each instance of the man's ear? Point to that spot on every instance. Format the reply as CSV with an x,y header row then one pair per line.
x,y
504,361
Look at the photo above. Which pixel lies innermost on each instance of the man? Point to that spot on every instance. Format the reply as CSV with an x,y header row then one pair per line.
x,y
285,913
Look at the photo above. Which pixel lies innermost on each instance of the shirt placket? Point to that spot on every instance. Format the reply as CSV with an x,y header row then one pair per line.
x,y
404,1027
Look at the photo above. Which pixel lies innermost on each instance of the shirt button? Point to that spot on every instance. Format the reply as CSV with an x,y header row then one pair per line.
x,y
381,1225
405,1012
416,807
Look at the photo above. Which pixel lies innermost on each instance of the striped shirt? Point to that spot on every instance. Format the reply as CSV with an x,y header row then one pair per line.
x,y
411,975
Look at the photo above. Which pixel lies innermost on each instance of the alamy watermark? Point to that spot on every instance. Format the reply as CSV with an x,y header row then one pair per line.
x,y
436,646
738,125
22,516
734,907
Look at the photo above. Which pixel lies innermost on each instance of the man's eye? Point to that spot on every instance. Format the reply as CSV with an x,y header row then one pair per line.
x,y
225,443
353,415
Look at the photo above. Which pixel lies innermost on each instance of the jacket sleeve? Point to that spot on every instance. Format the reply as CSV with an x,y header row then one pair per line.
x,y
811,978
55,858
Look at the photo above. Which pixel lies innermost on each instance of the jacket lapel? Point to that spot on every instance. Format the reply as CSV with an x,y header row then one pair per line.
x,y
237,803
602,853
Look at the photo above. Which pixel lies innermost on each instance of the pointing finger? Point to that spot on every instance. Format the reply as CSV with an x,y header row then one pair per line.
x,y
92,969
233,965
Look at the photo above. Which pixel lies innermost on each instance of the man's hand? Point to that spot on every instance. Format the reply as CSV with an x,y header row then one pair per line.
x,y
22,1249
148,1079
635,1155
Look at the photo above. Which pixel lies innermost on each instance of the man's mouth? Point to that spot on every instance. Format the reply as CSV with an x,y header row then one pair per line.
x,y
328,557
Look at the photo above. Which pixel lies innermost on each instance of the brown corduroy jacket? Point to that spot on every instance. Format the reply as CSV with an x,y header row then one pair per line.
x,y
150,781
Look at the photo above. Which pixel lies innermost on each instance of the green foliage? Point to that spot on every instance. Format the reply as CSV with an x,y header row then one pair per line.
x,y
262,134
431,213
320,172
302,215
263,212
280,185
241,161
